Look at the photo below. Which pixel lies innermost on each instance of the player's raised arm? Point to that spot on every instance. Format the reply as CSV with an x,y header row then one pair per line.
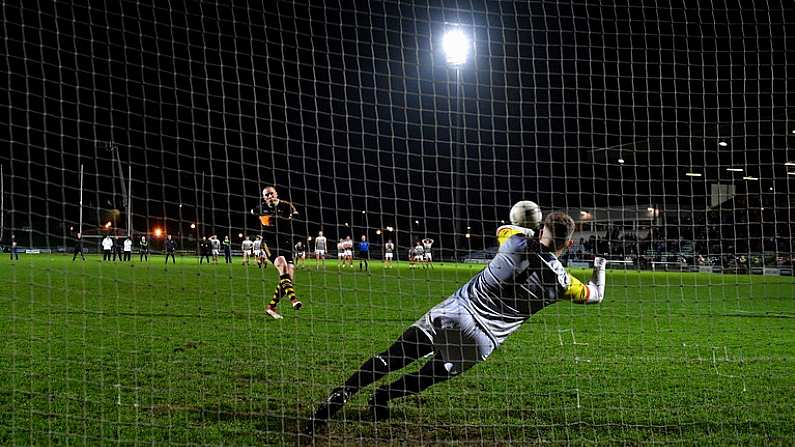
x,y
591,293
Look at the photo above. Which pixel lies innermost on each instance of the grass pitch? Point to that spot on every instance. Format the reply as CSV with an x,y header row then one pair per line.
x,y
103,353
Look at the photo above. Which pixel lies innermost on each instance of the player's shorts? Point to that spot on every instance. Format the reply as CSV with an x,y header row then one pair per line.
x,y
364,255
300,254
427,256
419,258
387,255
341,255
216,252
246,252
348,253
456,336
275,250
320,252
257,252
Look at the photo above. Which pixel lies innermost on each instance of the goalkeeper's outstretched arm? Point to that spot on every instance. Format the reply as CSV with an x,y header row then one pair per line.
x,y
594,291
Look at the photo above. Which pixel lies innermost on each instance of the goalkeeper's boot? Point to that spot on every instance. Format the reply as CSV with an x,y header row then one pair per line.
x,y
379,410
270,310
333,403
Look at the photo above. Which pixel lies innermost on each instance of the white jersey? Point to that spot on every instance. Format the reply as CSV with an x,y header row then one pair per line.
x,y
427,244
257,244
127,245
320,243
419,250
107,243
389,247
247,245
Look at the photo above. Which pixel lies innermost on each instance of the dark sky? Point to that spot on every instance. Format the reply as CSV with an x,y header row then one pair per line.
x,y
353,108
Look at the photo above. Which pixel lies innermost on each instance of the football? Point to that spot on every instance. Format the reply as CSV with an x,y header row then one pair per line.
x,y
526,214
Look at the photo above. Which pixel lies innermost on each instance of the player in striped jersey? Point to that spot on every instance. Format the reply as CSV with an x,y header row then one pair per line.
x,y
524,277
276,218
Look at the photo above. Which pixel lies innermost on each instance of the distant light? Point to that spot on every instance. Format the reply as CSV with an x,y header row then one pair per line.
x,y
71,228
364,212
309,238
158,232
193,226
108,225
377,231
456,44
621,161
761,209
734,169
468,227
771,188
723,144
467,235
180,205
693,174
748,177
502,221
789,163
793,130
650,209
240,235
390,229
417,222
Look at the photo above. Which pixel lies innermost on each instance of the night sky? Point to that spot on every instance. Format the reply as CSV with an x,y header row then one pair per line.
x,y
354,108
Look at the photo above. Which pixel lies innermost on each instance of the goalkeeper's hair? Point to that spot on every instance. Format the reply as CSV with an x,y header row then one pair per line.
x,y
560,226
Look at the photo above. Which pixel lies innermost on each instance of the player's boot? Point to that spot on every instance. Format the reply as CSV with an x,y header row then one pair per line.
x,y
270,310
297,305
379,411
333,403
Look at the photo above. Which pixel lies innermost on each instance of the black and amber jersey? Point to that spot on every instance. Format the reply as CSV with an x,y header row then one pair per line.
x,y
277,221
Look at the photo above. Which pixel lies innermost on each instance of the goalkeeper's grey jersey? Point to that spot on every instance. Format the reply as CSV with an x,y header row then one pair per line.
x,y
520,281
320,243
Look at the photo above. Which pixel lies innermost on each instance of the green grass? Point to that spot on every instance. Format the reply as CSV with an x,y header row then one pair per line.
x,y
101,353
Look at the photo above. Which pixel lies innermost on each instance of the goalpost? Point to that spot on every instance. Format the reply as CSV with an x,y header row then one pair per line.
x,y
664,129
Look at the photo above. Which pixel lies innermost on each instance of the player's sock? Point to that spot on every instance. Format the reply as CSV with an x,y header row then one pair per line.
x,y
286,285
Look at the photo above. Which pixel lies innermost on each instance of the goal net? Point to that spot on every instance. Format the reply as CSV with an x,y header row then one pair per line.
x,y
139,140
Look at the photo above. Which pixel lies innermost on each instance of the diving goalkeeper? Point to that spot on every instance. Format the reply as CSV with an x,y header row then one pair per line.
x,y
524,277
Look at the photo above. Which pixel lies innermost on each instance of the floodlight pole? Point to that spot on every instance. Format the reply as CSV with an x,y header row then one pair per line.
x,y
80,221
460,166
129,202
2,196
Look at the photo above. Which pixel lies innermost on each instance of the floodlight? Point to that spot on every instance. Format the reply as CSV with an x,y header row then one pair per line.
x,y
456,47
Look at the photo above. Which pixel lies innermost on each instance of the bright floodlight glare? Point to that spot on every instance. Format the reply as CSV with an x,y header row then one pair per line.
x,y
456,47
723,144
621,161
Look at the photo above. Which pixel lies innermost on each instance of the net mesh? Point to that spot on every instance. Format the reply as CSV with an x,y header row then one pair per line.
x,y
664,130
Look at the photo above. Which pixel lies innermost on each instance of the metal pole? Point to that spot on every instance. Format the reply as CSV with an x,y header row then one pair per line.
x,y
129,202
459,159
2,196
80,222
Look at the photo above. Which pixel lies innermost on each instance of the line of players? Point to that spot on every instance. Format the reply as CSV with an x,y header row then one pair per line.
x,y
211,248
418,255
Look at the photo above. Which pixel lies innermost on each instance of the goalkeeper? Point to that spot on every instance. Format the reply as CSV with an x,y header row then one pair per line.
x,y
524,277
